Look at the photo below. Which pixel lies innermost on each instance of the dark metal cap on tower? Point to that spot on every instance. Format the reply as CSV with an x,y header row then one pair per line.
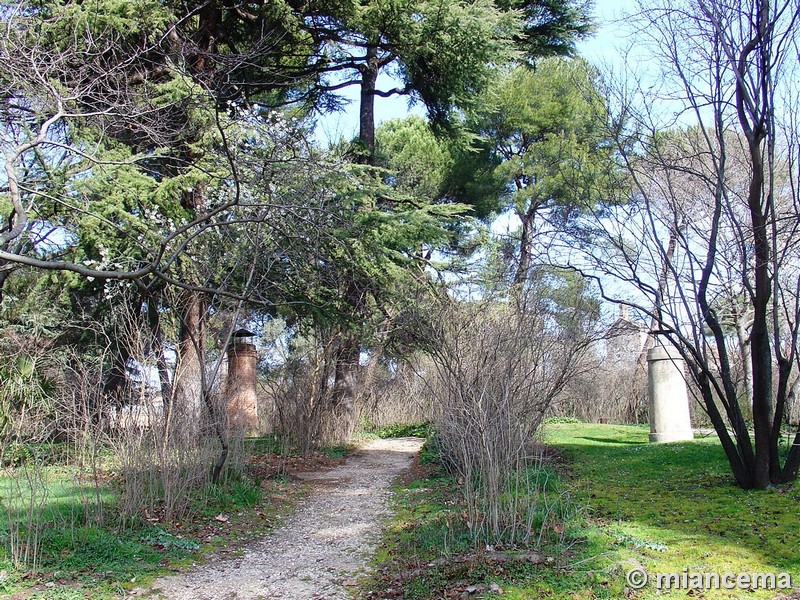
x,y
243,333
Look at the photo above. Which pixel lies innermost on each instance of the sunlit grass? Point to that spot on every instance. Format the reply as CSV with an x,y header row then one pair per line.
x,y
85,550
668,508
675,507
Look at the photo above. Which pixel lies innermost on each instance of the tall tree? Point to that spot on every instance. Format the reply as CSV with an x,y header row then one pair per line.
x,y
716,220
545,127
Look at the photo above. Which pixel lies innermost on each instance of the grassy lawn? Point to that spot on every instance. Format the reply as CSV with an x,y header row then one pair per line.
x,y
81,559
666,508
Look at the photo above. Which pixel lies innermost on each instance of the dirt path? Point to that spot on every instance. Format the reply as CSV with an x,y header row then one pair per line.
x,y
327,540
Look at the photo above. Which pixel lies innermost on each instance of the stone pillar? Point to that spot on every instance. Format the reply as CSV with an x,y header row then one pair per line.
x,y
242,400
667,395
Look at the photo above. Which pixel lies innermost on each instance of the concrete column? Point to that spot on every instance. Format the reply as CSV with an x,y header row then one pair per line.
x,y
667,395
242,400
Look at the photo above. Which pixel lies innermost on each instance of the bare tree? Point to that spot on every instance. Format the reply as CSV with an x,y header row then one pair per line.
x,y
708,246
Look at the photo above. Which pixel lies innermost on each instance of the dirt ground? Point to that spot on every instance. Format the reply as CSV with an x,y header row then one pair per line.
x,y
327,541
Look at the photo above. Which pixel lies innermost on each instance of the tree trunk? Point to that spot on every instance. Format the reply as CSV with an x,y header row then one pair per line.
x,y
345,386
760,347
188,385
157,348
525,244
189,381
366,116
342,415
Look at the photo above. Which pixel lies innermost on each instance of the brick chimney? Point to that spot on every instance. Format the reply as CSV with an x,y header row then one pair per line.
x,y
242,400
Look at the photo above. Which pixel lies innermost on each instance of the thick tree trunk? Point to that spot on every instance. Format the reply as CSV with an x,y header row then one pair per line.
x,y
366,117
760,347
345,387
345,390
761,356
189,383
188,386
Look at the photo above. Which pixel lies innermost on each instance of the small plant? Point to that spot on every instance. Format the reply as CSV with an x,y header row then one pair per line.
x,y
269,444
429,454
160,538
640,543
228,497
423,430
562,421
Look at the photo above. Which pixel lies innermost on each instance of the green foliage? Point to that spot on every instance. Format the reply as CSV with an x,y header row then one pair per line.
x,y
429,167
107,17
551,27
27,397
88,549
159,538
474,179
46,453
547,126
561,421
666,507
430,453
423,430
416,160
450,49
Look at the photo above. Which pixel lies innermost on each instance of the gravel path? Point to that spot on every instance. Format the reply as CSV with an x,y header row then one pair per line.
x,y
328,539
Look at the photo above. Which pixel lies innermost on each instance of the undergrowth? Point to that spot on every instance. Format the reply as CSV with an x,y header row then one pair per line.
x,y
397,430
94,553
432,550
662,507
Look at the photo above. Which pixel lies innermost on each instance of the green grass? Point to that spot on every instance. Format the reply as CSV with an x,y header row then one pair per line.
x,y
675,506
422,430
268,444
80,558
665,507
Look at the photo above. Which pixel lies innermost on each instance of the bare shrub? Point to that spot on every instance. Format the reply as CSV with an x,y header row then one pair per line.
x,y
307,409
164,450
60,426
300,390
497,367
27,418
604,394
394,394
46,400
